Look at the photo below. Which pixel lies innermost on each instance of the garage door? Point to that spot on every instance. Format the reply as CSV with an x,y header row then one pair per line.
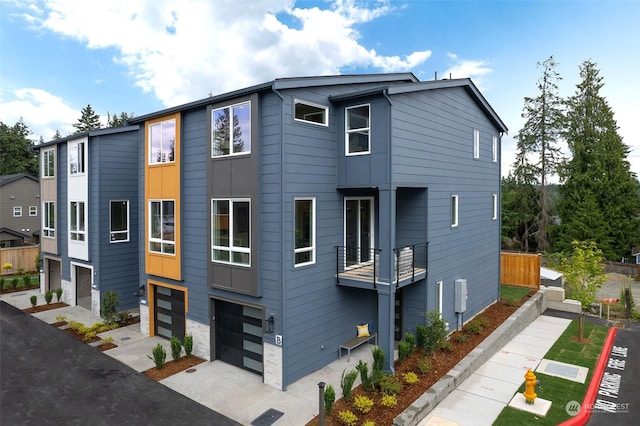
x,y
239,335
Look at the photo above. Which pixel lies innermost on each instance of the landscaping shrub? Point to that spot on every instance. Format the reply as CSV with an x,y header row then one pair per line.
x,y
473,327
347,418
389,400
446,346
14,282
59,293
404,350
329,399
61,318
363,403
187,342
390,385
123,317
461,338
411,340
109,308
26,280
421,333
365,378
1,283
436,331
378,365
410,378
346,383
48,296
424,365
34,300
176,348
159,356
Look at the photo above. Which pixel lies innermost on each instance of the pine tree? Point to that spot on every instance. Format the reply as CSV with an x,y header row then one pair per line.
x,y
600,193
56,136
538,154
16,155
89,120
118,120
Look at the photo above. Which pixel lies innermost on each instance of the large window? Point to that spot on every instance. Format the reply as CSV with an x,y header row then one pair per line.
x,y
33,210
49,219
305,231
17,211
231,231
119,221
357,130
476,144
162,142
48,163
311,113
162,226
231,130
76,158
76,221
454,211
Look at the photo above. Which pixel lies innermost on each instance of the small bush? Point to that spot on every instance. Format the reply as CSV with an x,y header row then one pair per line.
x,y
48,296
329,399
509,301
436,331
109,308
187,342
446,346
363,403
159,356
390,385
368,423
75,325
26,280
424,365
61,318
378,364
1,283
346,383
59,293
34,300
106,340
90,334
421,333
461,338
14,282
176,348
389,400
123,317
483,321
347,418
404,350
410,378
411,340
473,327
365,378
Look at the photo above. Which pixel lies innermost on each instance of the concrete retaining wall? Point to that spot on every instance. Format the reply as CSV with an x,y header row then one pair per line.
x,y
485,350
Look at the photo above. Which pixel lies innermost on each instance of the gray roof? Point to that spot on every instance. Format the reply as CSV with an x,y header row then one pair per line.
x,y
90,133
11,178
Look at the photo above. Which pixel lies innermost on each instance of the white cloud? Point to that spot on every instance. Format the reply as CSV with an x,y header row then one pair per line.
x,y
466,68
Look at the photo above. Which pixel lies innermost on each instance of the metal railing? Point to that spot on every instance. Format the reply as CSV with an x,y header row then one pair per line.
x,y
411,259
357,263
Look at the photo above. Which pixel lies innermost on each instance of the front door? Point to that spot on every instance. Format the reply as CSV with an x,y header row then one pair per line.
x,y
83,287
169,311
238,330
358,230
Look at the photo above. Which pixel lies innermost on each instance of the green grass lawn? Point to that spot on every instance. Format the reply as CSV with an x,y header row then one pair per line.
x,y
558,390
512,292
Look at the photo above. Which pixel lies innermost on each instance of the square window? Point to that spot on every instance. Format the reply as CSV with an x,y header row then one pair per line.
x,y
162,142
357,130
119,221
17,211
310,113
231,231
454,211
304,251
476,144
33,210
231,130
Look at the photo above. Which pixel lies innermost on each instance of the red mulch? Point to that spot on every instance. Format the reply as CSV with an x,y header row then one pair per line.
x,y
172,367
47,307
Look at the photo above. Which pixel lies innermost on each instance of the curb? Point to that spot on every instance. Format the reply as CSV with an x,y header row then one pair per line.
x,y
585,409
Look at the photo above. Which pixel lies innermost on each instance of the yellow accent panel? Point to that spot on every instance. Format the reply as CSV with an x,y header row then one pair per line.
x,y
162,182
152,302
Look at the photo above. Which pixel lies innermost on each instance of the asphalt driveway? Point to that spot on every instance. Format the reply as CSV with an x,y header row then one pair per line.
x,y
49,378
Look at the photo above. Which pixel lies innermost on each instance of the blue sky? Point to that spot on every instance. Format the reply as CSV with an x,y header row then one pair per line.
x,y
138,56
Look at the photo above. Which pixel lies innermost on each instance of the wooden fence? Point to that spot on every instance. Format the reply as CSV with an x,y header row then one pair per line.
x,y
630,269
23,258
520,269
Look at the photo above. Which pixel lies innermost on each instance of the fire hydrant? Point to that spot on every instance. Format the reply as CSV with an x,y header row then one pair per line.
x,y
529,387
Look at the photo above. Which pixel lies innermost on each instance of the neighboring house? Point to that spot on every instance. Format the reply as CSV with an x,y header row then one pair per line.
x,y
89,187
19,210
276,218
635,253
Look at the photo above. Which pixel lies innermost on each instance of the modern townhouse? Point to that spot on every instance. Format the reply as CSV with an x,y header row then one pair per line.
x,y
19,214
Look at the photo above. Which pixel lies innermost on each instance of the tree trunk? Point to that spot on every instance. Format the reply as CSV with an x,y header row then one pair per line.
x,y
581,327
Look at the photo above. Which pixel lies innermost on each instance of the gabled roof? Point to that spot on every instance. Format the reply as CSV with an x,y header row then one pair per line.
x,y
635,251
9,231
90,133
11,178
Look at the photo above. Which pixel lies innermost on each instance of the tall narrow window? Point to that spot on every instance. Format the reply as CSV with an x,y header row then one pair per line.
x,y
162,142
49,219
77,230
454,211
494,149
494,202
476,144
305,235
231,130
17,211
76,158
162,226
311,113
231,231
357,130
439,297
33,210
119,221
48,163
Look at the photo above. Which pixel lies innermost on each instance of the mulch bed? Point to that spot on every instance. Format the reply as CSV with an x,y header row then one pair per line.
x,y
172,367
46,307
18,289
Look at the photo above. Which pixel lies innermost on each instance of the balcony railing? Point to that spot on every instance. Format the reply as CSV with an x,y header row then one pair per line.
x,y
357,263
411,262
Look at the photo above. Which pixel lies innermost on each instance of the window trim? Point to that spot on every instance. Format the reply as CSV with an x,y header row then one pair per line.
x,y
439,291
48,219
476,144
312,247
161,240
17,211
231,248
81,158
324,108
455,210
33,211
80,234
348,131
494,149
49,159
150,144
213,130
494,206
112,233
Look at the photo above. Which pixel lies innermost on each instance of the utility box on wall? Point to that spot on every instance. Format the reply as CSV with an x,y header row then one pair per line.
x,y
460,296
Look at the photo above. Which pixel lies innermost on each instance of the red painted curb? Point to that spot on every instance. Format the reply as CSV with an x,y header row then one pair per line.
x,y
585,411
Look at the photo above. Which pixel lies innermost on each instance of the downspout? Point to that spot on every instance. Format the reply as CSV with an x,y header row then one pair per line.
x,y
282,223
392,227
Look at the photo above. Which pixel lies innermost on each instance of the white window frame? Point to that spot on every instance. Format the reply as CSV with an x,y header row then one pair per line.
x,y
476,144
164,243
231,248
80,168
171,153
439,289
494,202
325,113
33,211
213,131
349,131
125,232
494,149
80,231
17,211
455,209
49,219
48,163
312,247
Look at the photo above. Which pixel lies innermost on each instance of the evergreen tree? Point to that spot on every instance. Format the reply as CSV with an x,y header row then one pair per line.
x,y
600,194
16,155
538,154
57,135
518,213
118,120
89,120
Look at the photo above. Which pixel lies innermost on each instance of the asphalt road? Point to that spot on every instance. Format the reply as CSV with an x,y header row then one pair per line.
x,y
49,378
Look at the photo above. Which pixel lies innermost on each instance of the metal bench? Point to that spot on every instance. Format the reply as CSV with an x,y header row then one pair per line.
x,y
355,342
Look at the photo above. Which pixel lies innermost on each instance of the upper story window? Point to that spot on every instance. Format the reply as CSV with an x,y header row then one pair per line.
x,y
17,211
49,219
162,226
119,221
357,130
476,144
231,130
454,211
494,149
494,206
49,163
305,231
162,142
231,231
33,210
76,158
77,231
311,113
